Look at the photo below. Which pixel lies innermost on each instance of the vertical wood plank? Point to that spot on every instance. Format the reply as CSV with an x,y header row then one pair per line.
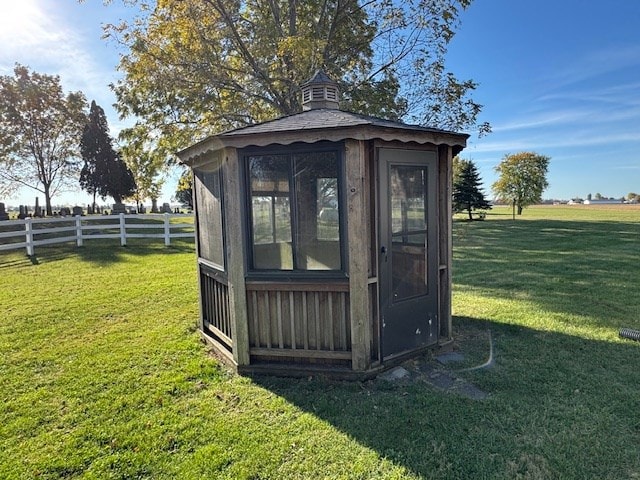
x,y
292,320
225,303
221,309
266,319
357,191
279,319
343,321
218,317
256,325
305,323
331,321
316,320
211,301
205,301
234,220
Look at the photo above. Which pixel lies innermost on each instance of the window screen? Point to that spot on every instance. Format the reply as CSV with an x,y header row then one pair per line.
x,y
295,211
208,192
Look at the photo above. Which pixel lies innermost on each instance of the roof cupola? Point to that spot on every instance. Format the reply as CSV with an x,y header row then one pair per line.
x,y
320,92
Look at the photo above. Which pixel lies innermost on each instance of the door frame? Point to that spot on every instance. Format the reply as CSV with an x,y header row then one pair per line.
x,y
427,158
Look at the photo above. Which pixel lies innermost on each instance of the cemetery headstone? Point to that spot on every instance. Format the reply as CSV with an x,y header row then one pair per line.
x,y
22,213
118,208
77,211
3,213
37,212
166,208
65,211
154,205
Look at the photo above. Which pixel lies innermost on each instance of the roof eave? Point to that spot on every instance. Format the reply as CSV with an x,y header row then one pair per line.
x,y
191,156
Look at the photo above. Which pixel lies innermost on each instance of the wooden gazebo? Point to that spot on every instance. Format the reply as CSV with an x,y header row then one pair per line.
x,y
324,239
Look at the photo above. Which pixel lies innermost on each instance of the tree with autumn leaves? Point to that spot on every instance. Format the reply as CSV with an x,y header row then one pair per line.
x,y
523,178
40,129
198,67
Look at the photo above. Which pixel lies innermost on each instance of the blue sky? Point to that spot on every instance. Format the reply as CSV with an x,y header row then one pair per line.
x,y
561,78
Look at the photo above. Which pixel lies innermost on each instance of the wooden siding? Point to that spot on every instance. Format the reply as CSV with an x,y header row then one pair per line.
x,y
235,255
216,316
357,194
299,320
445,188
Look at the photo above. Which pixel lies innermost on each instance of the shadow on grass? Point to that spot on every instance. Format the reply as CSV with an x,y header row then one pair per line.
x,y
100,252
112,253
584,269
559,407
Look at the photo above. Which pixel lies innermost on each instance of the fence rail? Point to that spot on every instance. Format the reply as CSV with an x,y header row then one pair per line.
x,y
34,232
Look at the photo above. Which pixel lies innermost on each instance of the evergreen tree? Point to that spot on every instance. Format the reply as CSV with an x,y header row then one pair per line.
x,y
467,193
104,173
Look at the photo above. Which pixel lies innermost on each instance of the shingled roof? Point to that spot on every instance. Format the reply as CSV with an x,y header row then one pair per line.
x,y
321,119
323,124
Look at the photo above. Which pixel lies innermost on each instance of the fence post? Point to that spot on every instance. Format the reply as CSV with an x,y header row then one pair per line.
x,y
78,231
167,230
123,231
29,235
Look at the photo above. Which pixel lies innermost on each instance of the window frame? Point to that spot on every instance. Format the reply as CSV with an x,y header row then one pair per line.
x,y
289,151
217,170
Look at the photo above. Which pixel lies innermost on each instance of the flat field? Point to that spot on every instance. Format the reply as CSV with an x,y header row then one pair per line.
x,y
102,374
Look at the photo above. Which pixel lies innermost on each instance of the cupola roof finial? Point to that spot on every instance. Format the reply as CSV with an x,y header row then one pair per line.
x,y
320,92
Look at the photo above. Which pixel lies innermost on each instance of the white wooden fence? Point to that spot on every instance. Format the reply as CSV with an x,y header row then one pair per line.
x,y
47,231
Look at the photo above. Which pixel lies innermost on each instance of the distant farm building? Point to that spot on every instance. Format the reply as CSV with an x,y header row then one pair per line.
x,y
603,201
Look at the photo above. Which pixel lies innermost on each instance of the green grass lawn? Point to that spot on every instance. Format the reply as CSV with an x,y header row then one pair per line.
x,y
102,374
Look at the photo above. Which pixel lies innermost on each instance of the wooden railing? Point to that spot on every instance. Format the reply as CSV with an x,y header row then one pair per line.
x,y
34,232
299,320
216,315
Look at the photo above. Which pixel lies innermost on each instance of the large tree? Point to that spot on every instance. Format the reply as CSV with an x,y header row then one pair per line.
x,y
104,173
184,188
40,128
146,165
523,178
198,66
467,190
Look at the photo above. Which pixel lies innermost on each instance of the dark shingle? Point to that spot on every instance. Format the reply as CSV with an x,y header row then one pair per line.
x,y
323,119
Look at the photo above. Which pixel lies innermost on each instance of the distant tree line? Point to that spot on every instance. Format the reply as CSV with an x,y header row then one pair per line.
x,y
50,143
522,180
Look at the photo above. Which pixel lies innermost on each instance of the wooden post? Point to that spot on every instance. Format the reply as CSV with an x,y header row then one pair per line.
x,y
123,231
355,166
29,235
233,196
78,231
445,224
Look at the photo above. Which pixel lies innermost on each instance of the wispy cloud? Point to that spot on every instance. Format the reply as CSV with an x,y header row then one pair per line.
x,y
596,63
553,141
38,33
546,119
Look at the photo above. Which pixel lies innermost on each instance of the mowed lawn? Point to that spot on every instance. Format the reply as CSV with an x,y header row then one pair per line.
x,y
103,375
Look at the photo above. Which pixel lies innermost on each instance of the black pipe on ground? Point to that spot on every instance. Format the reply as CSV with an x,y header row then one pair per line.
x,y
630,333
